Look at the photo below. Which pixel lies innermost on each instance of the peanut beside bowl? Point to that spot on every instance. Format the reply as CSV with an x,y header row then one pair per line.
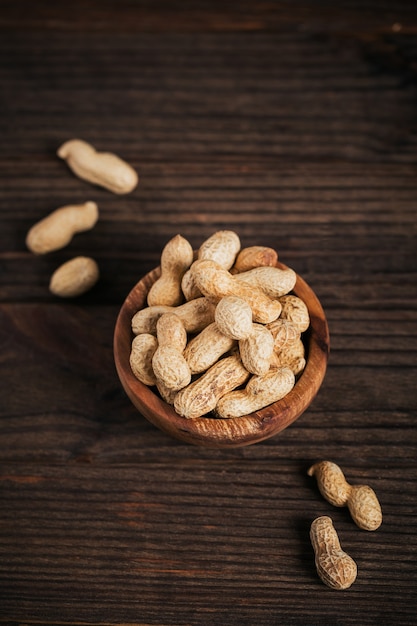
x,y
215,432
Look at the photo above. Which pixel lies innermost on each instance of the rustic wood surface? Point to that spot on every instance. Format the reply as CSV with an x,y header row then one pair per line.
x,y
294,124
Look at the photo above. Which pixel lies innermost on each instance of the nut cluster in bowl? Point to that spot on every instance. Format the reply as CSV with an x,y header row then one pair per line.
x,y
221,334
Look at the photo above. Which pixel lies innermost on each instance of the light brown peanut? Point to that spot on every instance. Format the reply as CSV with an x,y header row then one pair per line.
x,y
284,333
254,256
141,354
168,362
256,350
176,258
292,356
216,283
202,395
273,281
361,500
206,348
336,568
295,310
233,317
222,248
100,168
57,229
194,315
74,277
189,288
258,393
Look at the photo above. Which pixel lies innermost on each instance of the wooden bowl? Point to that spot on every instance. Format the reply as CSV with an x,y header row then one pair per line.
x,y
214,432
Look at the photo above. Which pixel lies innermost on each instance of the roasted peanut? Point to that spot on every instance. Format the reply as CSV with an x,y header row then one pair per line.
x,y
258,393
168,362
273,281
256,350
254,256
216,283
141,354
100,168
233,317
195,315
57,229
74,277
222,248
295,310
292,356
176,258
336,568
361,500
189,288
202,395
206,348
284,333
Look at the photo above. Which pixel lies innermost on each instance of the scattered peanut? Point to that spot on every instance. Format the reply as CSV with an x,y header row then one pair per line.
x,y
202,395
168,362
360,499
336,568
100,168
176,258
74,277
259,392
57,229
254,256
142,351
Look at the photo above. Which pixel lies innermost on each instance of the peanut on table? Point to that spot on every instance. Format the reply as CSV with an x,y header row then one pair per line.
x,y
240,325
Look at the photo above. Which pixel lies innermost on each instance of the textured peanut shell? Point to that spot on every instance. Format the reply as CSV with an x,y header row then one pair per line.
x,y
201,396
142,351
260,392
334,566
292,356
176,258
57,229
364,507
195,315
295,310
233,317
216,282
74,277
100,168
361,500
171,368
222,247
273,281
256,350
254,256
284,333
206,348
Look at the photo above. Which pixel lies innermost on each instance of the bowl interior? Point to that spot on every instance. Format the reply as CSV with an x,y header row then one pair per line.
x,y
211,431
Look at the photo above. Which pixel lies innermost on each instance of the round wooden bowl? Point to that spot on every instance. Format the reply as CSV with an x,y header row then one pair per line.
x,y
210,431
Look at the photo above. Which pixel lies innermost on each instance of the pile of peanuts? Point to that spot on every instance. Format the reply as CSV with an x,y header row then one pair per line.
x,y
216,321
56,230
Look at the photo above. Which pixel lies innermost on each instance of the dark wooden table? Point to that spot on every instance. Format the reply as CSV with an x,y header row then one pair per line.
x,y
294,124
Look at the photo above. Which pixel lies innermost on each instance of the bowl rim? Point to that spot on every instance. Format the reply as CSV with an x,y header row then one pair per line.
x,y
213,431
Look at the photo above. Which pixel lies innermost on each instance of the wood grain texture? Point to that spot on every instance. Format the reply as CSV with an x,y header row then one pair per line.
x,y
295,125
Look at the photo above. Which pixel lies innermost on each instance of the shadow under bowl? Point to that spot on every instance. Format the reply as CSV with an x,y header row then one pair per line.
x,y
213,432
